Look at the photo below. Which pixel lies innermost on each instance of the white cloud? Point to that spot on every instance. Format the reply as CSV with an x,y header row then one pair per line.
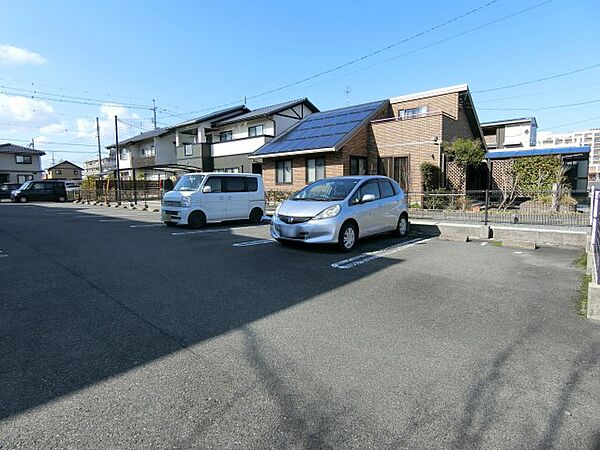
x,y
18,113
86,128
11,55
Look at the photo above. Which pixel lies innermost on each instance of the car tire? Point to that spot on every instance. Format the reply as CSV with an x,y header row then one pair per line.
x,y
196,219
256,215
402,227
348,237
62,199
170,224
23,199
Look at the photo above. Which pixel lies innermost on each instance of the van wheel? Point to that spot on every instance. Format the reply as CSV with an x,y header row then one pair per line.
x,y
256,215
61,199
348,237
402,226
197,219
23,199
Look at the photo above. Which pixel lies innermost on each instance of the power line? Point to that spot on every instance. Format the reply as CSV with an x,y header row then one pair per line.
x,y
351,62
539,80
48,142
571,123
544,108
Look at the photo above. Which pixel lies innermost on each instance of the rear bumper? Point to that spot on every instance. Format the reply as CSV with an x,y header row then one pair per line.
x,y
314,231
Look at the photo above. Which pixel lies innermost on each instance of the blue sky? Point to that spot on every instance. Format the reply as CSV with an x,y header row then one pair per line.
x,y
192,56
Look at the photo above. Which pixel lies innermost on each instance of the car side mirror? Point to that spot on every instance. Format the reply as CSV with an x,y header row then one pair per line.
x,y
367,198
206,189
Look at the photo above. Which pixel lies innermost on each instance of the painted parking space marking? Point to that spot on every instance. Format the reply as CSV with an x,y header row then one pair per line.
x,y
148,225
113,220
252,243
370,256
216,230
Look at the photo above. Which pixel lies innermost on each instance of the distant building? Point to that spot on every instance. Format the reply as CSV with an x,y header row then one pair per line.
x,y
511,133
64,170
19,164
589,137
92,166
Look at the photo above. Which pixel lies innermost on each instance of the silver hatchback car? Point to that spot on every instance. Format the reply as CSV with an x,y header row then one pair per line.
x,y
341,210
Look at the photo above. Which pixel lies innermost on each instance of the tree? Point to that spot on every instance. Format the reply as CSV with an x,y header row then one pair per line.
x,y
431,176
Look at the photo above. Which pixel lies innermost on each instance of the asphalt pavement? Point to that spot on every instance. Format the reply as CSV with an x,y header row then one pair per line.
x,y
117,331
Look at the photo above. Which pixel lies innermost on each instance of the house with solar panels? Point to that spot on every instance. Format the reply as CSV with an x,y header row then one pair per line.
x,y
391,137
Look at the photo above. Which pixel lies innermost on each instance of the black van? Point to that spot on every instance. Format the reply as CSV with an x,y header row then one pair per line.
x,y
44,190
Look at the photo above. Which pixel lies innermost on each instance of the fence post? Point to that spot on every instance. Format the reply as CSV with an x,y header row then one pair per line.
x,y
487,206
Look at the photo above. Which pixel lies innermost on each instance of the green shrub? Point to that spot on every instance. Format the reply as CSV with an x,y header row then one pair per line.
x,y
431,176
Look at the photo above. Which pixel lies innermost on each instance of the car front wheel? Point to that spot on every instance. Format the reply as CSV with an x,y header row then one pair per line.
x,y
402,227
348,237
23,199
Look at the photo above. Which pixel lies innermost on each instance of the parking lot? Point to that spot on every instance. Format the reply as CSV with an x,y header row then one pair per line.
x,y
119,331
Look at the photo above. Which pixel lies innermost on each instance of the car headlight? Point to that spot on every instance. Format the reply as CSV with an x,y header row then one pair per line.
x,y
185,201
328,213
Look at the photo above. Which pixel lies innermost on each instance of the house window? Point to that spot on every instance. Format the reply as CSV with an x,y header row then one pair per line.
x,y
24,178
412,112
23,159
58,172
358,165
76,172
315,169
229,170
283,171
256,130
225,136
188,149
124,153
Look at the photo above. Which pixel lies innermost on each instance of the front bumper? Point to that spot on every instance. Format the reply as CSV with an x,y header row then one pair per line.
x,y
314,231
175,214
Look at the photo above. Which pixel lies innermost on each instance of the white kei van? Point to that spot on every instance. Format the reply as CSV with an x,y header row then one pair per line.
x,y
199,198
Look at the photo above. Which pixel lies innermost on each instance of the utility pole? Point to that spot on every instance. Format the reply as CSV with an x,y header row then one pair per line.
x,y
118,156
99,149
154,110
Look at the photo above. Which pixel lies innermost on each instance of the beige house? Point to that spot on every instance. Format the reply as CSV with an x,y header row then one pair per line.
x,y
19,164
64,170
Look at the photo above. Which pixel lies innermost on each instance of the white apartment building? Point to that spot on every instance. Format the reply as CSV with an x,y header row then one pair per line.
x,y
589,137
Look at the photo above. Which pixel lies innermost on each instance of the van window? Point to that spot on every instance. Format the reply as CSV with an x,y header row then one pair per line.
x,y
215,184
235,184
252,184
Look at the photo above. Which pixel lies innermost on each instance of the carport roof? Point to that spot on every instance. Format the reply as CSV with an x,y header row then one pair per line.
x,y
535,151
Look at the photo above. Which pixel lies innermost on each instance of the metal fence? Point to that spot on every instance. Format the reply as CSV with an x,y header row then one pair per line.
x,y
595,235
486,206
122,196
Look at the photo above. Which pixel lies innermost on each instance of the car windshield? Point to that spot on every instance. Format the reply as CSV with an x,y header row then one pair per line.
x,y
189,183
25,185
327,190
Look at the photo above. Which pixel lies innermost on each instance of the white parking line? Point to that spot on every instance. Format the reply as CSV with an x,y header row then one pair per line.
x,y
216,230
148,225
113,220
251,243
370,256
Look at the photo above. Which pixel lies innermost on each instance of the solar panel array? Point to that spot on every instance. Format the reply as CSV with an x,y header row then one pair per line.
x,y
321,130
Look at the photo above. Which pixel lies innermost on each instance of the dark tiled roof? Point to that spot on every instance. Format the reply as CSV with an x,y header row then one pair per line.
x,y
18,149
140,137
508,121
327,129
227,113
266,111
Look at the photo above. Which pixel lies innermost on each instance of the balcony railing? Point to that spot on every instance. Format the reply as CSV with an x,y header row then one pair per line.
x,y
239,146
142,161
